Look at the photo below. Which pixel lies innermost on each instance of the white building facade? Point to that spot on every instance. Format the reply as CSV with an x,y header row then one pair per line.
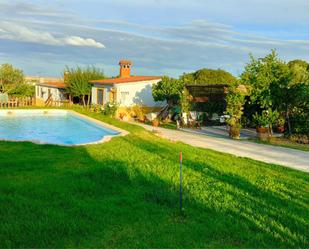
x,y
125,90
53,90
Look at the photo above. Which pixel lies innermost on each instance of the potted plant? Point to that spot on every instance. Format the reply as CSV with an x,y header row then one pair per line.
x,y
262,124
280,124
142,118
234,131
155,122
235,100
122,115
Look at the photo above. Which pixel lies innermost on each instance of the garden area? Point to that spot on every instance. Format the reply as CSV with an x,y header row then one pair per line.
x,y
125,193
270,96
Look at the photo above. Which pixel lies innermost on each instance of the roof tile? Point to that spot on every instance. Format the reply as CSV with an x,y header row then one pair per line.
x,y
125,80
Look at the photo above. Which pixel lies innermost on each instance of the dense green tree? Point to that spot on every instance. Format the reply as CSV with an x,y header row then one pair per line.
x,y
277,85
208,76
10,78
169,90
266,78
23,90
78,81
300,71
299,63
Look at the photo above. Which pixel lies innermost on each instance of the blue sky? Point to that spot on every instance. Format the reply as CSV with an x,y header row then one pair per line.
x,y
161,37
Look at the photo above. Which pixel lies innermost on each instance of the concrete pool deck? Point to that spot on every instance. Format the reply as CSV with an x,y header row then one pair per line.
x,y
291,158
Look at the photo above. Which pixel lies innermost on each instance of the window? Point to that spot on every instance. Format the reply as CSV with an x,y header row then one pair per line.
x,y
123,97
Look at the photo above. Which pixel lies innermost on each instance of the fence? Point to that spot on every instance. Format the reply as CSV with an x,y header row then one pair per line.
x,y
15,102
57,103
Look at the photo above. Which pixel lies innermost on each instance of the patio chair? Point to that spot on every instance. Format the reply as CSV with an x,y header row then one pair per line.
x,y
184,119
215,117
194,120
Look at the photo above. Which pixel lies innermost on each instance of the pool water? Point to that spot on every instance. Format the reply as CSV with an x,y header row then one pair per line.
x,y
59,127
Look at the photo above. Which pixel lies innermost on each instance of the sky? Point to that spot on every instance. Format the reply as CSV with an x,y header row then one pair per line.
x,y
161,37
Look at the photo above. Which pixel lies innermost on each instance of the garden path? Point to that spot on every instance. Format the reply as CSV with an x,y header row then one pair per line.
x,y
292,158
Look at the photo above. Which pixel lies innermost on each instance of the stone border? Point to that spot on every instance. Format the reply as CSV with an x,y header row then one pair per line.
x,y
64,111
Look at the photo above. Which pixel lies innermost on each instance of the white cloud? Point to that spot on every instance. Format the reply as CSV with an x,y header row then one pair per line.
x,y
17,32
159,42
78,41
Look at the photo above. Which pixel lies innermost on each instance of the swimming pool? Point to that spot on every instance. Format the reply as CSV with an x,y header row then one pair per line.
x,y
60,127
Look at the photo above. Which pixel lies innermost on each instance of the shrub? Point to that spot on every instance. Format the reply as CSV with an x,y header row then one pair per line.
x,y
300,120
138,112
302,139
235,101
266,118
110,109
281,122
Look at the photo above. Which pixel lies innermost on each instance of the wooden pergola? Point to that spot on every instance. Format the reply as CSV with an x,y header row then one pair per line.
x,y
203,93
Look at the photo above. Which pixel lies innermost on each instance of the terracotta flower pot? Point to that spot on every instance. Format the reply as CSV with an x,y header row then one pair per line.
x,y
234,132
260,129
155,123
142,119
122,115
262,133
280,129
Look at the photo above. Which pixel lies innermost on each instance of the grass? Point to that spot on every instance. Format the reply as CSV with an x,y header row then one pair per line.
x,y
283,142
124,194
170,125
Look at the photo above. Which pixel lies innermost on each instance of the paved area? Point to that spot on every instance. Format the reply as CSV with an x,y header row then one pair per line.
x,y
295,159
221,131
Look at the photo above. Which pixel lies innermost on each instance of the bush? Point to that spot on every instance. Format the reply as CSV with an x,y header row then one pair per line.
x,y
302,139
300,120
96,108
267,119
110,109
23,90
138,112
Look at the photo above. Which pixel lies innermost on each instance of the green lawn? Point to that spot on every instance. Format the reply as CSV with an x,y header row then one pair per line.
x,y
124,194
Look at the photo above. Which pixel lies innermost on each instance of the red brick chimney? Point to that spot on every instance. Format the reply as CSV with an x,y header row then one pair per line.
x,y
125,68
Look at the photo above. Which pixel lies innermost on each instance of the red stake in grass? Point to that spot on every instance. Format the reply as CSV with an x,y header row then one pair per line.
x,y
180,187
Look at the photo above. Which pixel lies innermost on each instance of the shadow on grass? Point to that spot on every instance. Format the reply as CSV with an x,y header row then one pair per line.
x,y
68,198
275,211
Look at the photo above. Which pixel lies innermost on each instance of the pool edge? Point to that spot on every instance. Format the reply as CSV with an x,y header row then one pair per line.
x,y
101,123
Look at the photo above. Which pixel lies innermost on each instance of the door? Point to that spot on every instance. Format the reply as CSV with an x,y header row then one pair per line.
x,y
100,96
112,96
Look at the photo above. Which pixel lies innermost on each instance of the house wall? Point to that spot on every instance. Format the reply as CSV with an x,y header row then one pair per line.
x,y
130,94
41,93
94,94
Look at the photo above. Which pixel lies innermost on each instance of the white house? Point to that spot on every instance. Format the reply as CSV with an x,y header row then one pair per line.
x,y
50,90
126,90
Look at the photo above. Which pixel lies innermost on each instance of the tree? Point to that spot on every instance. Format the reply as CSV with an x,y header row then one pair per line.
x,y
169,90
208,76
300,71
266,78
24,90
299,63
78,81
10,78
275,84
